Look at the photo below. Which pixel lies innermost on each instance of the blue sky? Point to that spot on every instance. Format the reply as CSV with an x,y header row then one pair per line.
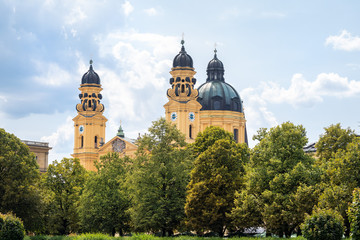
x,y
295,61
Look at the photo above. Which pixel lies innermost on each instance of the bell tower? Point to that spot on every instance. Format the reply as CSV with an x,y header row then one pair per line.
x,y
89,124
182,108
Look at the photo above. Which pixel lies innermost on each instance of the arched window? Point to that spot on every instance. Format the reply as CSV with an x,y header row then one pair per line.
x,y
236,135
82,142
190,131
217,105
182,88
96,141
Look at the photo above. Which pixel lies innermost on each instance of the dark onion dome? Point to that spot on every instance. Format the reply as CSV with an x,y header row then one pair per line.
x,y
215,69
183,59
90,77
215,93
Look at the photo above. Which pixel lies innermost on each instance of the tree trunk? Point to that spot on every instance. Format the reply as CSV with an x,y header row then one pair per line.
x,y
113,232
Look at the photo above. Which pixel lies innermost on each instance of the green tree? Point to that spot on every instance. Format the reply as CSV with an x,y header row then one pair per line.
x,y
105,202
354,215
19,180
216,175
280,182
158,179
341,177
11,227
334,139
64,182
207,138
323,225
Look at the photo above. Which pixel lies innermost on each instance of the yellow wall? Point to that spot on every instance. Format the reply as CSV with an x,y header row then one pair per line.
x,y
228,120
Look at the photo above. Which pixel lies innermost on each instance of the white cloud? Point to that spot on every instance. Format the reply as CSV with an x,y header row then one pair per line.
x,y
51,74
306,93
344,41
137,84
62,134
61,140
76,15
3,99
151,11
300,93
127,8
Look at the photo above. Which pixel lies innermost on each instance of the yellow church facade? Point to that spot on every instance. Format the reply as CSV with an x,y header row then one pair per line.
x,y
214,103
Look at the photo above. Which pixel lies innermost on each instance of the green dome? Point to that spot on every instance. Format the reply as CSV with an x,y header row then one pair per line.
x,y
215,93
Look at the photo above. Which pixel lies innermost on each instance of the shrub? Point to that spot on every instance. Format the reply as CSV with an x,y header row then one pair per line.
x,y
97,236
354,215
40,237
12,227
323,225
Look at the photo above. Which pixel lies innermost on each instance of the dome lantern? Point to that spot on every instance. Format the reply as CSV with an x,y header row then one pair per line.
x,y
215,69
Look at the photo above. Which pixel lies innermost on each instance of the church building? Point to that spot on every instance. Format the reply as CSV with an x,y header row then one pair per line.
x,y
214,103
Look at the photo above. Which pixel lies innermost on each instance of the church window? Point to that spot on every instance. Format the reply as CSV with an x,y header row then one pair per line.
x,y
217,105
96,142
190,131
82,142
182,88
236,135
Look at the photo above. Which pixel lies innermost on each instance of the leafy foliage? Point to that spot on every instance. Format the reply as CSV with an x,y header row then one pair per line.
x,y
341,176
158,178
105,202
217,174
11,227
64,181
207,138
334,139
323,225
280,182
354,215
19,180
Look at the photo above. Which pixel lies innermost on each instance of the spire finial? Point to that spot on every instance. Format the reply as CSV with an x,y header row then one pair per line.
x,y
120,131
215,51
91,61
182,39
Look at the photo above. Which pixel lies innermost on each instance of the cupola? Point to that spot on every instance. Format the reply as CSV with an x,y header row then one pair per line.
x,y
90,77
183,59
215,93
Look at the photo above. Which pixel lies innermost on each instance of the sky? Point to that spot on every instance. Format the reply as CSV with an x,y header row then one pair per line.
x,y
296,61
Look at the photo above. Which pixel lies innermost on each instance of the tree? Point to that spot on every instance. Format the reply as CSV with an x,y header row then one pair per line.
x,y
341,177
323,225
280,182
216,175
104,203
158,179
354,215
11,227
64,182
334,139
19,180
207,138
